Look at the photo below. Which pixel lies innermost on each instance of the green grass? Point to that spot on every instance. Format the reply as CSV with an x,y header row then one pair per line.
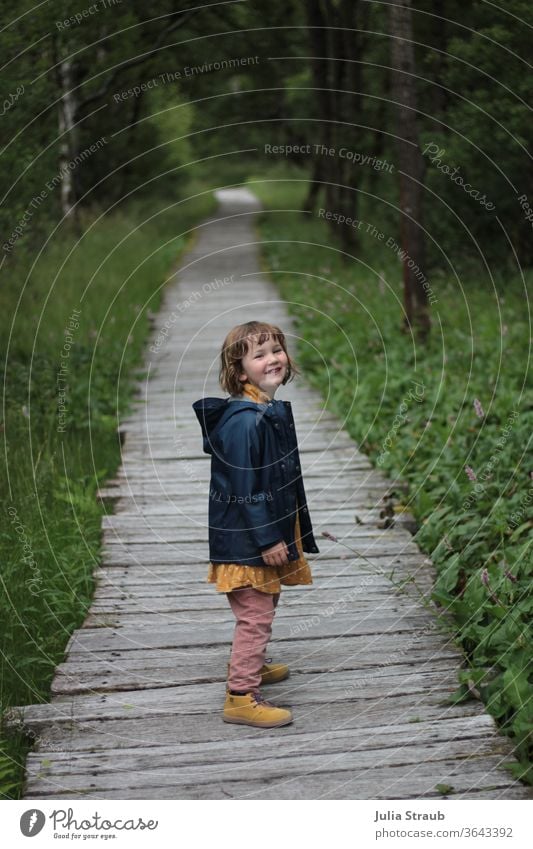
x,y
50,518
411,409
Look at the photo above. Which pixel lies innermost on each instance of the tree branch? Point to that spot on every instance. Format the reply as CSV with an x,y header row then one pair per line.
x,y
136,61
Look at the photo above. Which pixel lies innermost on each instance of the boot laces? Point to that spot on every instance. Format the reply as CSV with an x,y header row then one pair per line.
x,y
259,700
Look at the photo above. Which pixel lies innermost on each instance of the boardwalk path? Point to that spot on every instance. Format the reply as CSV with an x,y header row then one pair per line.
x,y
136,708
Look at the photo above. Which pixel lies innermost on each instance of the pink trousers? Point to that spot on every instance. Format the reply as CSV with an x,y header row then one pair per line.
x,y
254,612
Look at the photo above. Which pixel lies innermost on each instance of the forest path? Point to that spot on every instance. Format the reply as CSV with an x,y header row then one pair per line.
x,y
136,706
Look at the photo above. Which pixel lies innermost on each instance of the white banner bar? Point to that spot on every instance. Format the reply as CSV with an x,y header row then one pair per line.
x,y
307,824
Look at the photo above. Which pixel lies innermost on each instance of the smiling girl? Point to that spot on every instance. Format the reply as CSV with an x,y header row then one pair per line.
x,y
259,524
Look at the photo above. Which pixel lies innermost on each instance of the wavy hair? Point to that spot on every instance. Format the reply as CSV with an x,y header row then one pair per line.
x,y
237,344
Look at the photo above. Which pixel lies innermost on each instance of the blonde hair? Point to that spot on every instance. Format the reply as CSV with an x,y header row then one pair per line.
x,y
237,344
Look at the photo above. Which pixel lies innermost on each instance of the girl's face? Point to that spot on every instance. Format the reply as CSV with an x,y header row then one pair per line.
x,y
264,365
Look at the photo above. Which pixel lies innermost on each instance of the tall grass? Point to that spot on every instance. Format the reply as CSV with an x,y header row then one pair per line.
x,y
73,323
453,418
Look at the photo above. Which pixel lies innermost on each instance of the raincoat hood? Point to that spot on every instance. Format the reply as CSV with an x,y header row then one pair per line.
x,y
212,413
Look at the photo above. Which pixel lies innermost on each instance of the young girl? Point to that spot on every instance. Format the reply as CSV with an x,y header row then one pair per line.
x,y
259,524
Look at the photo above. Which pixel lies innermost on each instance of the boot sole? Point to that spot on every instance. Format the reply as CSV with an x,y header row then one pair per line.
x,y
258,724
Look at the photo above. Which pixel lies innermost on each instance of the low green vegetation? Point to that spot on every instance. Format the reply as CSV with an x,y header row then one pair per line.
x,y
453,419
71,352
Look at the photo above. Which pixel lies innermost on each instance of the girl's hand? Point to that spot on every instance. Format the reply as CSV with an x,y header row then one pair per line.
x,y
276,555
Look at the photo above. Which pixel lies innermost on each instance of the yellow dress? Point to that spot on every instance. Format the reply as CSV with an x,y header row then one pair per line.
x,y
267,579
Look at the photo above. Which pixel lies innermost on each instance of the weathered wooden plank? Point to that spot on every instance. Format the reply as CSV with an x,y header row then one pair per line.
x,y
93,735
349,604
345,566
191,552
161,445
301,616
237,751
299,690
127,504
236,748
299,599
315,646
394,782
206,633
353,494
112,675
160,768
175,601
177,421
341,566
340,517
192,530
127,522
349,599
183,436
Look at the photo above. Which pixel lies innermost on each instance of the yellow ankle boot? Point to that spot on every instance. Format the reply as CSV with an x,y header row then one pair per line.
x,y
271,673
252,709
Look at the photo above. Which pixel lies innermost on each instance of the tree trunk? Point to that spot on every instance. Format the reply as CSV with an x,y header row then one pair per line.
x,y
320,71
347,108
411,167
316,184
67,140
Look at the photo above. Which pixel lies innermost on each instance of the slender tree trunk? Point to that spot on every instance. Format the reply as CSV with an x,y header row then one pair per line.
x,y
315,186
440,97
348,108
320,72
411,168
67,140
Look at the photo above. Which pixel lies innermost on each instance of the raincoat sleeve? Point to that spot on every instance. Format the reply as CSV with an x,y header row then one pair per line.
x,y
241,445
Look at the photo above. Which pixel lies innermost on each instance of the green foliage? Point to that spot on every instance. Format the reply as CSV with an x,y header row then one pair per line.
x,y
478,533
444,789
484,131
28,127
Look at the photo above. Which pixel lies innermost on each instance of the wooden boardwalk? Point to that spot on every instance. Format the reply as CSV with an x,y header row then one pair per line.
x,y
136,706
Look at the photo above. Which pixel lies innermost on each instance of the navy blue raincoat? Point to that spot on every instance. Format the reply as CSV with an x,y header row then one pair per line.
x,y
256,483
